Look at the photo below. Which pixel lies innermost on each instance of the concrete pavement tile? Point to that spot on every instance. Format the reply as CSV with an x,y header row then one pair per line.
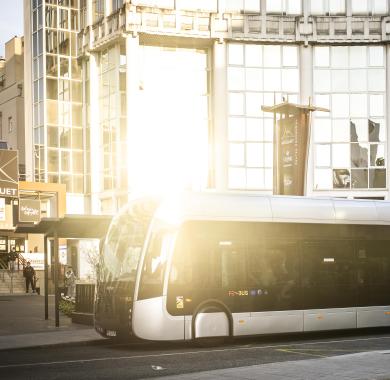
x,y
361,366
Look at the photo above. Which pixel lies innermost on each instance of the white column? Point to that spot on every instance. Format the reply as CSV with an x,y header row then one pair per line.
x,y
89,12
133,112
107,8
387,49
306,73
95,134
306,96
220,112
28,102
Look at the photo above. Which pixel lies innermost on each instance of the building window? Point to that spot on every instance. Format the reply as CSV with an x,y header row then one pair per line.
x,y
369,7
327,7
116,4
97,10
292,7
257,75
349,143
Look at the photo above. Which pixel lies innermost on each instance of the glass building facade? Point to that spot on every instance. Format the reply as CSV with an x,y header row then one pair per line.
x,y
57,94
133,95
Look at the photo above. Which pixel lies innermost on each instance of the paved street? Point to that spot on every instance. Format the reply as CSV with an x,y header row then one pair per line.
x,y
295,357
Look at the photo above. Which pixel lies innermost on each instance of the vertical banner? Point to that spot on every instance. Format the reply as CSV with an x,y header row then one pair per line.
x,y
291,146
291,153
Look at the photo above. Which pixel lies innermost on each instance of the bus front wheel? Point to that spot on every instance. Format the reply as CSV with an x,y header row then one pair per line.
x,y
212,324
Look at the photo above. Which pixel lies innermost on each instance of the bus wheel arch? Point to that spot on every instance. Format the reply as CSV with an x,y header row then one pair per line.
x,y
207,314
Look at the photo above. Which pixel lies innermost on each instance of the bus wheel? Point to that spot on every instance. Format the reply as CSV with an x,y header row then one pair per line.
x,y
211,324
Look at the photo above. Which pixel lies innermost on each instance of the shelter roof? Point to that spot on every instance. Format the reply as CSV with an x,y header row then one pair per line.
x,y
70,226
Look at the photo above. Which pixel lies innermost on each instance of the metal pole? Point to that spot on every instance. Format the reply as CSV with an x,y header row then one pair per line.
x,y
46,278
56,295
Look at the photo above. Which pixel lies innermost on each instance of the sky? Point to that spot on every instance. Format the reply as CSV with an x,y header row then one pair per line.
x,y
11,21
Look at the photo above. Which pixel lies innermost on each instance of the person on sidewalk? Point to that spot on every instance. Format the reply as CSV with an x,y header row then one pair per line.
x,y
29,274
70,282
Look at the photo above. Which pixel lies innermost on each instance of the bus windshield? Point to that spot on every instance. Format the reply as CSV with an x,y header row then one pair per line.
x,y
123,245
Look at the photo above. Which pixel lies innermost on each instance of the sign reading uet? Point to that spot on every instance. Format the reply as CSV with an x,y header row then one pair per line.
x,y
7,192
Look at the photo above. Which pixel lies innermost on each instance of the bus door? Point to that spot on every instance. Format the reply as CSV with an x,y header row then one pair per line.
x,y
273,272
209,264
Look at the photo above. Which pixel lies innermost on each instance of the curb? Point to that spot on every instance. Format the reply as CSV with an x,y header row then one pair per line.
x,y
63,344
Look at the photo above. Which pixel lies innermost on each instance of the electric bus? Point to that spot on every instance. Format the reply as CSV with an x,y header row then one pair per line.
x,y
208,265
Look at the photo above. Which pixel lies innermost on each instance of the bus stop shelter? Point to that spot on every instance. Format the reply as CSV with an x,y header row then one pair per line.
x,y
67,227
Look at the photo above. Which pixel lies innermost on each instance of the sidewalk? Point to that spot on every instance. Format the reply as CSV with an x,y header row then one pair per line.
x,y
366,365
23,324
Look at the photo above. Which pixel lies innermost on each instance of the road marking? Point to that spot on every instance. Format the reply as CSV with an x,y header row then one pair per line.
x,y
241,348
292,351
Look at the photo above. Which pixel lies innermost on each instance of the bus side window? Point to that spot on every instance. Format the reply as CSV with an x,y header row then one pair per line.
x,y
373,272
233,267
181,269
152,276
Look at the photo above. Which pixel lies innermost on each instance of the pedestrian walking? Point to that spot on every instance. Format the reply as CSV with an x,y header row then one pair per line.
x,y
70,282
29,274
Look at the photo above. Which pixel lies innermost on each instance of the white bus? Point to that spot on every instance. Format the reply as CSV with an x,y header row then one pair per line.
x,y
221,265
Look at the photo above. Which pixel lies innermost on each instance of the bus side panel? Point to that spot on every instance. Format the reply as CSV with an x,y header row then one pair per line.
x,y
373,316
188,327
151,321
330,319
277,322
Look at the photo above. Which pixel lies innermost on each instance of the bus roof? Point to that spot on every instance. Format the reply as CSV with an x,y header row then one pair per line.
x,y
267,208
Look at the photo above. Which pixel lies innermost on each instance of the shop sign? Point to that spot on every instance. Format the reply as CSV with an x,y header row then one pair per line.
x,y
36,259
29,210
9,174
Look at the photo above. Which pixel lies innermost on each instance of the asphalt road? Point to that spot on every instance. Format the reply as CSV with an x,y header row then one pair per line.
x,y
112,360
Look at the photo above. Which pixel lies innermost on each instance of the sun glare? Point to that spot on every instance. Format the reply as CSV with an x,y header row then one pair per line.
x,y
170,145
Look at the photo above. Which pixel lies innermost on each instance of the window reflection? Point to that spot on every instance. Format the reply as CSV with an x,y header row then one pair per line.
x,y
373,131
377,178
357,73
359,178
341,178
359,155
377,155
359,130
